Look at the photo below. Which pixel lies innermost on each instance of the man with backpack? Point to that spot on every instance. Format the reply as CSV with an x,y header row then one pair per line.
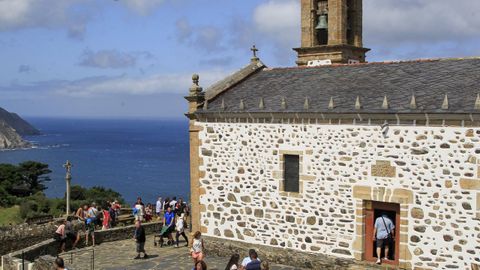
x,y
383,235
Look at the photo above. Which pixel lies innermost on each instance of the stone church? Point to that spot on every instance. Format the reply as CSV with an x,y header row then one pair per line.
x,y
305,158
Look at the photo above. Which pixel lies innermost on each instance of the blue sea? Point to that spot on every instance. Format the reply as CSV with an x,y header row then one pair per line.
x,y
147,158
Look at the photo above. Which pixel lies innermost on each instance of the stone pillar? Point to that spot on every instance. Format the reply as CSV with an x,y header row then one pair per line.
x,y
308,23
68,179
195,99
337,22
358,23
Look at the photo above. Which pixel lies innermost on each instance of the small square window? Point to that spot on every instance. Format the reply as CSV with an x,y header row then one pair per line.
x,y
291,173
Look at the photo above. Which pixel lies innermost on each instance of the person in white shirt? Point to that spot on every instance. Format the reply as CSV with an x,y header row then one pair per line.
x,y
172,203
158,207
180,227
247,260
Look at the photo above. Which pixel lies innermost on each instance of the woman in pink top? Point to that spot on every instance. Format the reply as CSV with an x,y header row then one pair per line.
x,y
60,235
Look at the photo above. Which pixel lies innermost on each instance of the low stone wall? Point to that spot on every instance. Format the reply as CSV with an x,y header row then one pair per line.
x,y
50,247
225,248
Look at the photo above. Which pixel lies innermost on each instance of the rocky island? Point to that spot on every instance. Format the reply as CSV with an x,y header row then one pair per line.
x,y
12,128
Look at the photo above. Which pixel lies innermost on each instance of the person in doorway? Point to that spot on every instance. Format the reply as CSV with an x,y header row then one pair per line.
x,y
59,264
383,234
180,228
140,240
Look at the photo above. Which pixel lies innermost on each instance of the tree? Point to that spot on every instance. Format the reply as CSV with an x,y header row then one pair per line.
x,y
34,175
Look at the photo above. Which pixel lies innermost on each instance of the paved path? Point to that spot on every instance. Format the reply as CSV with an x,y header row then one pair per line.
x,y
119,256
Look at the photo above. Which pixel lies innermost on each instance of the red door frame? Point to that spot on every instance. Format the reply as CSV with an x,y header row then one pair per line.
x,y
370,207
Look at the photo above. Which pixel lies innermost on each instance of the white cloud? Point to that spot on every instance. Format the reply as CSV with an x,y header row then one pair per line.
x,y
391,21
108,59
142,7
279,20
92,87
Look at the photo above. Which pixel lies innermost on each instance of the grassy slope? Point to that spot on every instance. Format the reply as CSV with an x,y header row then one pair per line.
x,y
10,215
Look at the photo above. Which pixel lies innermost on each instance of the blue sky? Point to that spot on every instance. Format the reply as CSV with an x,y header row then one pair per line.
x,y
135,58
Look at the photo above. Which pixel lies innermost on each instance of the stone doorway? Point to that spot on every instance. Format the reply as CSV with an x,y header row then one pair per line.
x,y
373,210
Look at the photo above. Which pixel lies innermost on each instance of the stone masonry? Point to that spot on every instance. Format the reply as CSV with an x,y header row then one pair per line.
x,y
432,172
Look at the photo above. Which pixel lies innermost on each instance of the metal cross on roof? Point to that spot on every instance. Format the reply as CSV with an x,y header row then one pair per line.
x,y
254,51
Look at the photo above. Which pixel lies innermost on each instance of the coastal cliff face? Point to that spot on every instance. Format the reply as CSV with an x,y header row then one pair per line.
x,y
12,127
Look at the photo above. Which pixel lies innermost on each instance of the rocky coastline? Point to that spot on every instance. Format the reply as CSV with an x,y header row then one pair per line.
x,y
12,130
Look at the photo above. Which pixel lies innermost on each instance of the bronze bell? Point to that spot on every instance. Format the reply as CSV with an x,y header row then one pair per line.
x,y
322,22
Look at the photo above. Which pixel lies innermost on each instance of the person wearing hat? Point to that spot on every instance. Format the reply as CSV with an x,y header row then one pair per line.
x,y
180,227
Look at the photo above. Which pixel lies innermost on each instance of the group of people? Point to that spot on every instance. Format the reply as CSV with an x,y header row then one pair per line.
x,y
251,262
90,217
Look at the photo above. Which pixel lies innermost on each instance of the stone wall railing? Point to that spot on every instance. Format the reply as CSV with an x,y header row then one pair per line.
x,y
50,247
225,248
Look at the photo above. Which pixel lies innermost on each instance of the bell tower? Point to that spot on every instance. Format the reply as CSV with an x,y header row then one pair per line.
x,y
331,32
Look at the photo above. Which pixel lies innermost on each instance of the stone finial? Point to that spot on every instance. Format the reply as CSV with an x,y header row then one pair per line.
x,y
385,104
205,105
254,51
242,105
195,89
445,103
262,104
331,105
358,105
477,102
413,103
306,104
222,106
284,103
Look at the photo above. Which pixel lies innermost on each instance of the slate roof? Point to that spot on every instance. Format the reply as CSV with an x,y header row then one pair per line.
x,y
429,81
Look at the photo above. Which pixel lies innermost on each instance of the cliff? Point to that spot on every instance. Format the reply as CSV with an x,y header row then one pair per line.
x,y
12,127
22,127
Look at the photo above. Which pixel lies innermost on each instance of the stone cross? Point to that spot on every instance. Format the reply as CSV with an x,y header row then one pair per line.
x,y
254,51
68,177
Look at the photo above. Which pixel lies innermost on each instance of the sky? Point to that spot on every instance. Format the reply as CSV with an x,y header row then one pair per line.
x,y
135,58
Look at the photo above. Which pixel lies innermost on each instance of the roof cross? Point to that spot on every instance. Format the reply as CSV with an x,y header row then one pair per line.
x,y
254,51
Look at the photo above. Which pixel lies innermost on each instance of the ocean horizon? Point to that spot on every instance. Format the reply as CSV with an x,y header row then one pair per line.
x,y
136,157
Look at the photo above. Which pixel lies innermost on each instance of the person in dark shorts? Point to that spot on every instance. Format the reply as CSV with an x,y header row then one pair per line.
x,y
383,234
140,240
60,235
70,233
168,226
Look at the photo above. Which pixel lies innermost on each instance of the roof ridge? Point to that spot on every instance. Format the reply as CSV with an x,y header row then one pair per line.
x,y
387,62
233,79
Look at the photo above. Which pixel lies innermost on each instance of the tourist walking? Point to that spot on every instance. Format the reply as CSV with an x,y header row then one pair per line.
x,y
90,224
70,233
169,226
197,249
200,265
140,240
60,235
180,228
383,234
59,264
252,257
233,263
158,207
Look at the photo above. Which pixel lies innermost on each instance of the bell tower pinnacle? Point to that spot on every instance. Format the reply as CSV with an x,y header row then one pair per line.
x,y
331,31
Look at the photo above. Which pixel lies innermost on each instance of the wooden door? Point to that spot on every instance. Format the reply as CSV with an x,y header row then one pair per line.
x,y
372,211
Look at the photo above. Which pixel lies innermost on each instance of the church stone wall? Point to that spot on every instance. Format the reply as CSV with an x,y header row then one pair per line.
x,y
432,172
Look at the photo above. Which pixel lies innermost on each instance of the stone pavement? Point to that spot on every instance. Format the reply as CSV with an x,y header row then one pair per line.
x,y
119,256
